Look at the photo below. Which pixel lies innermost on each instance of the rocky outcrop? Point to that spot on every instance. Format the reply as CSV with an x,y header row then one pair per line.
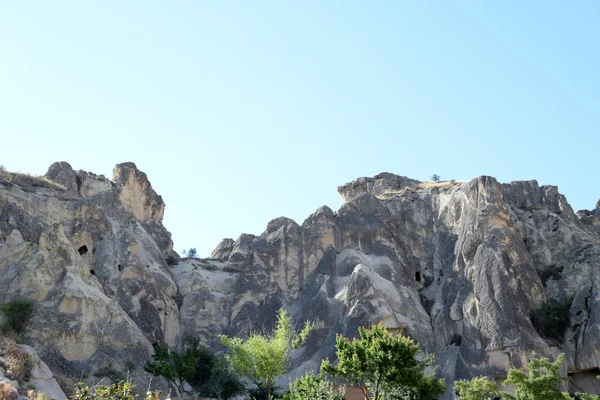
x,y
459,266
39,378
91,253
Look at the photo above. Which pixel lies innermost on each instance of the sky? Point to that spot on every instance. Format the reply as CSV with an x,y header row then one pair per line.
x,y
241,112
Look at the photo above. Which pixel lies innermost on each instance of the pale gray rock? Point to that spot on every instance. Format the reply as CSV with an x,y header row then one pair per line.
x,y
223,250
94,265
379,184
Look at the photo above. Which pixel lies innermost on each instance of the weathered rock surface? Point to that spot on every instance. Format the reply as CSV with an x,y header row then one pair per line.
x,y
459,266
93,260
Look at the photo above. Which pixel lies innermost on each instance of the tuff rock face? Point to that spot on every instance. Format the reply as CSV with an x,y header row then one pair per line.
x,y
459,266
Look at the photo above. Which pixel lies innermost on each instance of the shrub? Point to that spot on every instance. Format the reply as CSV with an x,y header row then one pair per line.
x,y
7,392
552,319
223,383
18,364
479,388
117,391
35,395
435,178
16,314
312,386
192,253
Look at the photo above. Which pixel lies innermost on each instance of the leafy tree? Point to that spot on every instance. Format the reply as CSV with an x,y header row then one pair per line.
x,y
386,364
480,388
552,319
16,313
222,384
540,381
262,358
314,387
174,367
191,253
205,361
435,178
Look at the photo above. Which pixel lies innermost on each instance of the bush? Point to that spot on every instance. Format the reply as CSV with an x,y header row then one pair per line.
x,y
223,383
479,388
192,253
18,364
118,391
7,392
16,314
313,386
35,395
552,319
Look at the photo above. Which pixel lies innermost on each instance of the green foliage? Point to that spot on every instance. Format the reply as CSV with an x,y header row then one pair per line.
x,y
435,178
118,391
260,358
174,367
16,313
552,319
386,364
480,388
540,381
196,366
584,396
222,384
314,387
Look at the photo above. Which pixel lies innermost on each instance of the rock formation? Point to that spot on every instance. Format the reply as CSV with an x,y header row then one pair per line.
x,y
459,266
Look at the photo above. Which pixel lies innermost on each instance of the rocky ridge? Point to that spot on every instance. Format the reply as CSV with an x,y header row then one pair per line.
x,y
458,266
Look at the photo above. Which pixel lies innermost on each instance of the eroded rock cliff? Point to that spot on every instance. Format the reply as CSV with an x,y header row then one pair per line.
x,y
459,266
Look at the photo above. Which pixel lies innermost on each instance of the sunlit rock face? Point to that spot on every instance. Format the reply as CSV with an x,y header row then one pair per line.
x,y
458,266
91,254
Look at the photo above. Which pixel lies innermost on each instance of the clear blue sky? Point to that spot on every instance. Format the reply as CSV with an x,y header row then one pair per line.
x,y
240,112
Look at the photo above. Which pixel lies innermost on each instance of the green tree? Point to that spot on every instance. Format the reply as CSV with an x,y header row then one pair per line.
x,y
435,178
385,364
174,367
16,314
223,384
262,358
480,388
191,253
314,387
552,319
539,382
